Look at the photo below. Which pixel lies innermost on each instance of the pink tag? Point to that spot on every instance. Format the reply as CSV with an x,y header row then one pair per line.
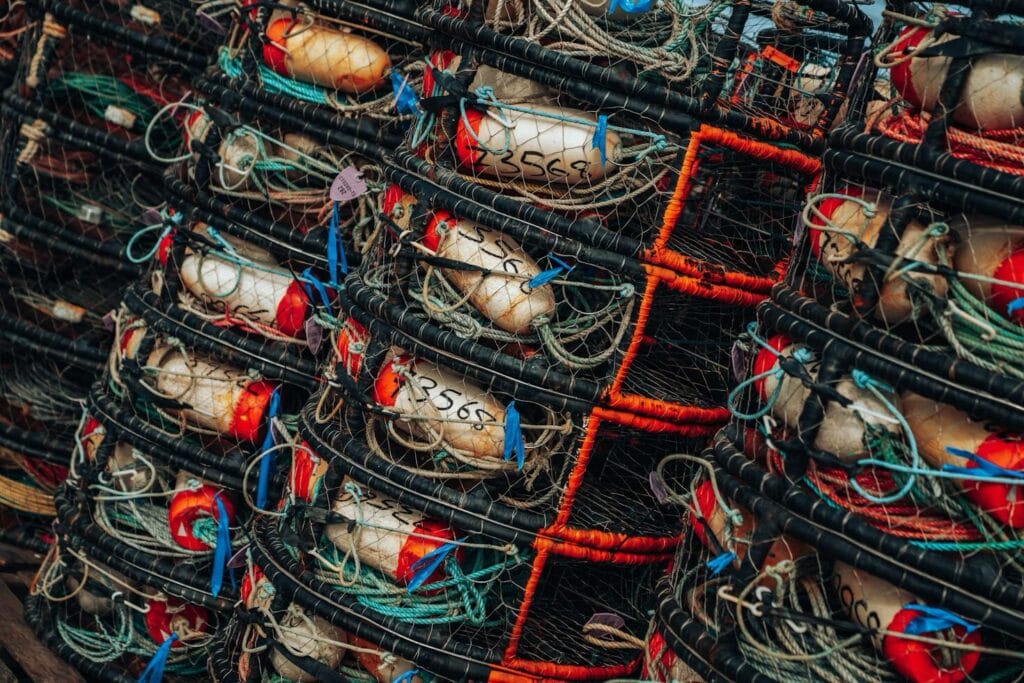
x,y
151,217
238,559
609,619
348,185
108,321
658,488
209,23
314,335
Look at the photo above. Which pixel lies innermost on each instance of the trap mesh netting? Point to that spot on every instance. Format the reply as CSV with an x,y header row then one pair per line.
x,y
396,341
858,517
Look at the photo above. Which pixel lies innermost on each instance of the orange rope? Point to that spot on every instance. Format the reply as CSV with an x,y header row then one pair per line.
x,y
608,546
549,671
709,273
998,149
704,290
644,312
536,569
579,469
653,425
903,521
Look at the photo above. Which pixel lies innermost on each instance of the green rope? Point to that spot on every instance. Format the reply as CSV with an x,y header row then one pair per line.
x,y
461,597
99,91
274,82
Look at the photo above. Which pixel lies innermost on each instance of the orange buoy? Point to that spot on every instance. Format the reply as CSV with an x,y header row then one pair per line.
x,y
218,397
237,150
325,56
997,252
538,146
879,605
708,517
384,667
387,535
433,400
308,470
261,291
992,97
843,430
506,300
188,506
662,664
170,615
305,636
350,346
256,590
93,433
938,427
833,250
398,206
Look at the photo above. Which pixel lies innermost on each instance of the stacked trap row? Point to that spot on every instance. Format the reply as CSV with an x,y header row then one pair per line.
x,y
86,131
215,350
538,307
80,89
858,519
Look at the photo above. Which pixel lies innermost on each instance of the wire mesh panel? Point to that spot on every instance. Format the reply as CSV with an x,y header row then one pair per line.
x,y
335,61
109,624
779,70
455,601
103,91
179,32
943,106
749,601
271,637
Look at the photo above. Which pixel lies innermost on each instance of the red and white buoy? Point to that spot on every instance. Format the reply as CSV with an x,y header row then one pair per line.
x,y
550,145
386,535
125,470
431,400
842,431
385,667
169,615
307,472
306,636
879,605
506,300
398,205
262,291
219,398
324,56
191,504
93,600
350,345
300,634
993,93
833,249
938,426
996,252
237,150
708,517
256,590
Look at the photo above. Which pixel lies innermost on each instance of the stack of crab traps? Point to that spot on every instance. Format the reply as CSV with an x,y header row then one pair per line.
x,y
858,518
515,340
